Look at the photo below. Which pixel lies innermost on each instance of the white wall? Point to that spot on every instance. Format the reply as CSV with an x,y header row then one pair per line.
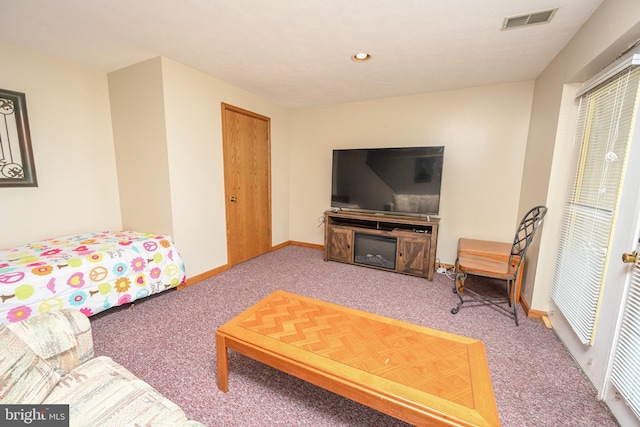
x,y
68,109
168,135
192,102
613,28
167,127
138,121
484,131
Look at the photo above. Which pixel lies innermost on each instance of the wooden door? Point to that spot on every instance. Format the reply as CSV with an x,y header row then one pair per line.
x,y
247,179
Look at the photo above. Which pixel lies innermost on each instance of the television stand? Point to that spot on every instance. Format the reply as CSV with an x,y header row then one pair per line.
x,y
403,244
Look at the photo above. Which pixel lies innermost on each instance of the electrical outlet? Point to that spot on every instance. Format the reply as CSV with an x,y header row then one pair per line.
x,y
441,270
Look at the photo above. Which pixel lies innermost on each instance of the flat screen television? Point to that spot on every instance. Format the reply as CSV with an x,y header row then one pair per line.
x,y
403,180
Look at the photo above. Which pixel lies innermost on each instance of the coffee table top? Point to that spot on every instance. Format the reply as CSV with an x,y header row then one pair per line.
x,y
443,372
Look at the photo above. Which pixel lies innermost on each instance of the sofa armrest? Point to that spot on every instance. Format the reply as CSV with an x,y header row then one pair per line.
x,y
62,338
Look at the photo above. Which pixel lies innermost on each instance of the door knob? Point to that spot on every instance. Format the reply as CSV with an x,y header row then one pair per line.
x,y
630,258
233,199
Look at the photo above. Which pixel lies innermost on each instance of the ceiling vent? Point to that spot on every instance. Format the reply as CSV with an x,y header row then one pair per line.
x,y
534,18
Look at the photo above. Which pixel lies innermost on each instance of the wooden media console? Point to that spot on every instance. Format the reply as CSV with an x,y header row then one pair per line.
x,y
403,244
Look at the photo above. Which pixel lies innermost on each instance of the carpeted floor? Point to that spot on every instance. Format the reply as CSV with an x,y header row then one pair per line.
x,y
168,340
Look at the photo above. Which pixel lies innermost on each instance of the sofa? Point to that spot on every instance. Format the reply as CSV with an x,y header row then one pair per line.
x,y
49,360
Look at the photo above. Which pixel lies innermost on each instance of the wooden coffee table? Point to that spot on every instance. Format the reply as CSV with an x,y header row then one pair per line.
x,y
416,374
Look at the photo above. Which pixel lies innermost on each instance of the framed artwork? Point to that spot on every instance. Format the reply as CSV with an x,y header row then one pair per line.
x,y
16,156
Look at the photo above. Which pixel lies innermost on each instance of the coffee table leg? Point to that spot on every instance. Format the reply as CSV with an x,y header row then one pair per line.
x,y
223,363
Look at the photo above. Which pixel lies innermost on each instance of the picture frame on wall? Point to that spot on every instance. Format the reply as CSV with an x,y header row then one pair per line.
x,y
17,168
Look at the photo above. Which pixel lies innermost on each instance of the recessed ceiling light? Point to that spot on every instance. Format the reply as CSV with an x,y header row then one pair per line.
x,y
361,57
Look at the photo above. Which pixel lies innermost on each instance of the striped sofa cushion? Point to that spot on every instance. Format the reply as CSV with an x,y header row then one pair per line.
x,y
62,338
24,376
101,392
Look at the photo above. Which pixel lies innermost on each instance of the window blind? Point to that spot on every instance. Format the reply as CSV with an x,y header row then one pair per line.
x,y
625,374
605,125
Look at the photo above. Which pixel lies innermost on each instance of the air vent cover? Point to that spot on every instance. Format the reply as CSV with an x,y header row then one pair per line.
x,y
534,18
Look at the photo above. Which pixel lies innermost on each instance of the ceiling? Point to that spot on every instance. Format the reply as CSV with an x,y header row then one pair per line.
x,y
297,53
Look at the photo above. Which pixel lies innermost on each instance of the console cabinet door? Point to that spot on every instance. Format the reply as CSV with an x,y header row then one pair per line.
x,y
413,255
340,245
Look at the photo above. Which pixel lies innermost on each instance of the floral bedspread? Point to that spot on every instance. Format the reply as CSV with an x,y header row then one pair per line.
x,y
90,272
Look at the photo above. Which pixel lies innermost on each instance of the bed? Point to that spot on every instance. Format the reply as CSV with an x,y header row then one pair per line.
x,y
89,272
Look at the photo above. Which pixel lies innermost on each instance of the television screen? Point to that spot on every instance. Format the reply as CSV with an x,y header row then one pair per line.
x,y
395,180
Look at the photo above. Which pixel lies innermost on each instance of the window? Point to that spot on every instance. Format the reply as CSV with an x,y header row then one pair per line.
x,y
605,126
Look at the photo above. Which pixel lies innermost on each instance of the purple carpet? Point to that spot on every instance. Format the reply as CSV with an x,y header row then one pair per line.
x,y
168,340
